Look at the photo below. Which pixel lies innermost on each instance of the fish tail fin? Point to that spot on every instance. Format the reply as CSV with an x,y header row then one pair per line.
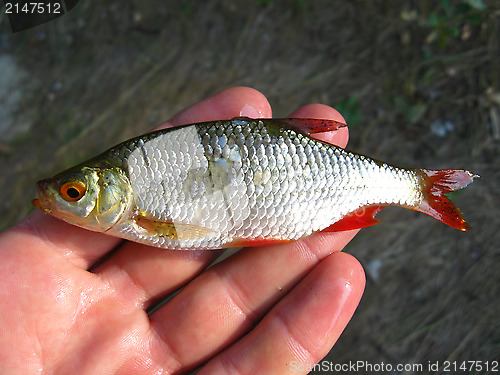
x,y
436,184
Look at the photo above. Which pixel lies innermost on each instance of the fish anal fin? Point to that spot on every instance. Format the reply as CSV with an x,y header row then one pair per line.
x,y
361,218
172,230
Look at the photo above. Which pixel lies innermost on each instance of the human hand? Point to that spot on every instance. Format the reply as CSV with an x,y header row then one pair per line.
x,y
255,312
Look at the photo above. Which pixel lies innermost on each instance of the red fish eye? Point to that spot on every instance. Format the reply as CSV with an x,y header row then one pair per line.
x,y
73,190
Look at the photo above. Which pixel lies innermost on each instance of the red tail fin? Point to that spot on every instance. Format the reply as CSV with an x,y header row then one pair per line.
x,y
436,184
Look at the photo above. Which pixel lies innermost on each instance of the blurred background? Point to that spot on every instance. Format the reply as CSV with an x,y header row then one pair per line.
x,y
417,81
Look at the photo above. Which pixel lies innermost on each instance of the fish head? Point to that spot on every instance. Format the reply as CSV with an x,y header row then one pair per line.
x,y
94,198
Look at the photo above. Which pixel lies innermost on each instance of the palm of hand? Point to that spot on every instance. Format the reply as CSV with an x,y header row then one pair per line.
x,y
259,310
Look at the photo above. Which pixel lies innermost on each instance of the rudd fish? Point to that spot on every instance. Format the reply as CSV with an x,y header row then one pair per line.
x,y
240,182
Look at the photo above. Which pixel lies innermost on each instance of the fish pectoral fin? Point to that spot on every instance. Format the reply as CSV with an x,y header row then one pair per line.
x,y
361,218
172,230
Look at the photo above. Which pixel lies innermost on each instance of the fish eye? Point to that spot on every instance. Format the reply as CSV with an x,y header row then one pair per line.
x,y
72,191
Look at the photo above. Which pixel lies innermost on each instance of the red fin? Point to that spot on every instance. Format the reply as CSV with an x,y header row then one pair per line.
x,y
361,218
311,126
436,184
254,242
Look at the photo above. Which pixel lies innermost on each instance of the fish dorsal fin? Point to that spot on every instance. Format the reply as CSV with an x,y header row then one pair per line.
x,y
310,125
169,229
303,125
360,218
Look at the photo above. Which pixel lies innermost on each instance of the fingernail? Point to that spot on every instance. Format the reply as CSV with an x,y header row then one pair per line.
x,y
250,111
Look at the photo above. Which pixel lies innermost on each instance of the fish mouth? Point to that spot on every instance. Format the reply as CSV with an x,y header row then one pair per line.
x,y
42,202
37,203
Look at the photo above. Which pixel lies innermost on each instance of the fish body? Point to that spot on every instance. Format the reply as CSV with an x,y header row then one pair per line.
x,y
239,182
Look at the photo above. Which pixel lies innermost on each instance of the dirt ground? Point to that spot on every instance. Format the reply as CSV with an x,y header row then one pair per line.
x,y
418,82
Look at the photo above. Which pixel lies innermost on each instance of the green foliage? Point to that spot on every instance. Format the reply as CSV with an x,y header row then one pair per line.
x,y
296,4
263,3
186,8
451,17
349,108
412,112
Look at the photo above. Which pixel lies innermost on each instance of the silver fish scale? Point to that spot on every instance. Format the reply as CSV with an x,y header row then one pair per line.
x,y
246,179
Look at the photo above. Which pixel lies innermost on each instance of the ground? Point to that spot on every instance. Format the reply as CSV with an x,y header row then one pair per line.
x,y
417,81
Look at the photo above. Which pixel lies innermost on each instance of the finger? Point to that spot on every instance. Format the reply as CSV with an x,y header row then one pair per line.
x,y
233,102
303,327
223,303
42,233
153,272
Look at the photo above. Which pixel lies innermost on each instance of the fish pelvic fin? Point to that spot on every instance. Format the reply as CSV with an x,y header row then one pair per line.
x,y
436,184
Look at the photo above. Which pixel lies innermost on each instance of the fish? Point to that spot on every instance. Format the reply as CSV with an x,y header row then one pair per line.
x,y
240,182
